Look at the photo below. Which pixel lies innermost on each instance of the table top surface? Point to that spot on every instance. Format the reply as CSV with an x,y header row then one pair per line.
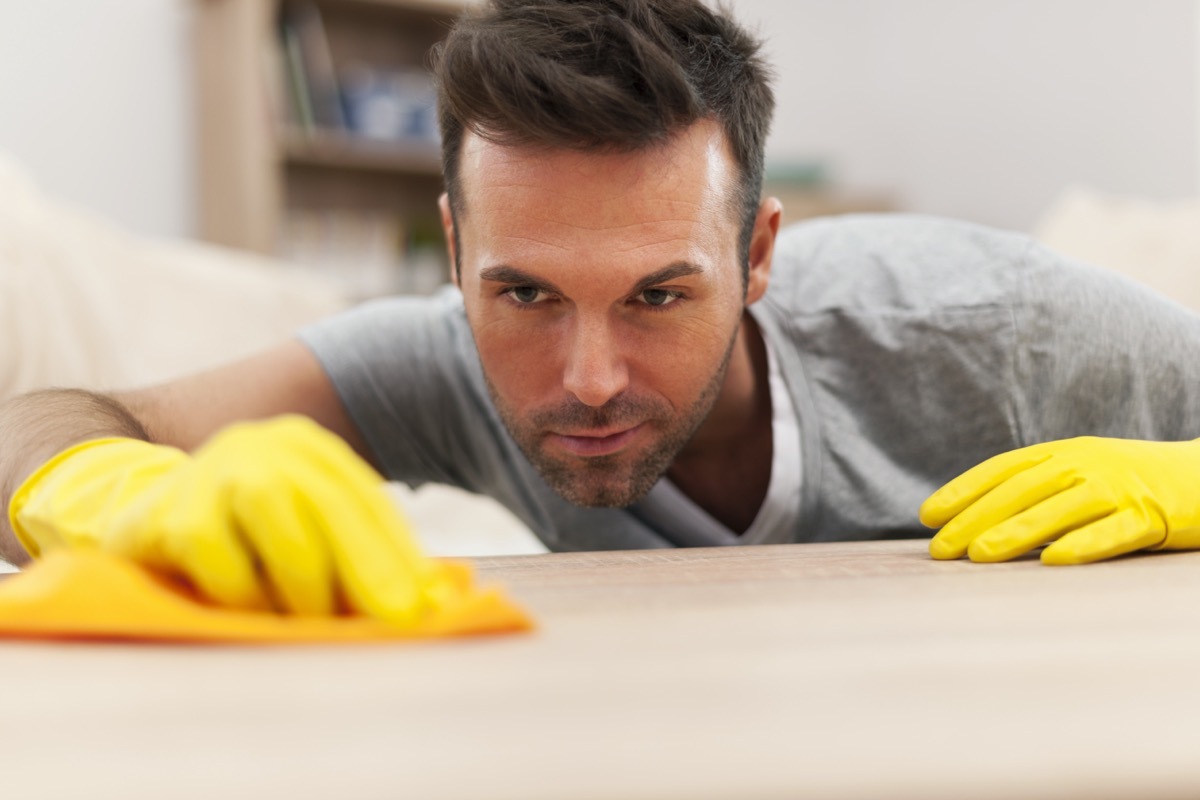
x,y
859,670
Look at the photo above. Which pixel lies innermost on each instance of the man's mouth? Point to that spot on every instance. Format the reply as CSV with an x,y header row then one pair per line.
x,y
599,443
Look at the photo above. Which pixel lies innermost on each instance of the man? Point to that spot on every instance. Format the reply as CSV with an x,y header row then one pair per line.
x,y
616,370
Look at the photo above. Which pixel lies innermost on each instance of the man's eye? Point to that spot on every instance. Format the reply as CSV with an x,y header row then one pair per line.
x,y
525,295
659,297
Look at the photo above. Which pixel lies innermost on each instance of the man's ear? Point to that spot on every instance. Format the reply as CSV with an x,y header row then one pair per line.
x,y
762,248
448,231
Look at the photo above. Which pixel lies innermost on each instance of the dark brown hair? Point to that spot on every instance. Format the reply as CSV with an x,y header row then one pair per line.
x,y
619,75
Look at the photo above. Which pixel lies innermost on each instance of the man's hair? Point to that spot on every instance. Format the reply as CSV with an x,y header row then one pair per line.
x,y
607,75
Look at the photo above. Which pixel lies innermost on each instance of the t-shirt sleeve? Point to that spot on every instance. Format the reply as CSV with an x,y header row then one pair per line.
x,y
406,370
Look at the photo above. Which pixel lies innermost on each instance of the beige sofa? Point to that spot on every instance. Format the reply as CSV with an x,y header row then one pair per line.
x,y
1156,242
83,303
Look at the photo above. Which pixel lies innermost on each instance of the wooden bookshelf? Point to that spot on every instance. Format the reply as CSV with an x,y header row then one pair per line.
x,y
260,168
342,152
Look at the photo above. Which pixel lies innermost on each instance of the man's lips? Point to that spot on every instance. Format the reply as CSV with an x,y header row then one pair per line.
x,y
600,443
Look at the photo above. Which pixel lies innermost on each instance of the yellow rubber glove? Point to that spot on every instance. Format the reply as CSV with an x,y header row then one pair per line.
x,y
280,513
1088,498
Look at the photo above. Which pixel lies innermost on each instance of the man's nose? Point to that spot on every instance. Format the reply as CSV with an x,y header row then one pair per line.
x,y
595,370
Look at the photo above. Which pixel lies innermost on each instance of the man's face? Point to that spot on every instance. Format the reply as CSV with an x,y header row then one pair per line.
x,y
605,295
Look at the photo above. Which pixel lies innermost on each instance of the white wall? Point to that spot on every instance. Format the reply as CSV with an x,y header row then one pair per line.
x,y
95,101
982,109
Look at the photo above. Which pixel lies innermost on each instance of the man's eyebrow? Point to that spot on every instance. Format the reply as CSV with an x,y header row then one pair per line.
x,y
515,277
668,273
512,276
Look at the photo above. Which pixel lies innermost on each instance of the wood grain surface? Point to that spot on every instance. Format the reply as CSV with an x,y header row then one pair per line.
x,y
827,671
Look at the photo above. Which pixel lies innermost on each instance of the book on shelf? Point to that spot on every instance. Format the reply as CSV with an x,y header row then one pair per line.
x,y
312,83
297,78
357,99
278,104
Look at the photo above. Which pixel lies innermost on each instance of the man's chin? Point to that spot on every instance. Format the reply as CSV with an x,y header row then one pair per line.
x,y
605,498
591,489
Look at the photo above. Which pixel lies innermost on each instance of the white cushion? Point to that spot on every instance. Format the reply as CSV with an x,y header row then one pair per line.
x,y
85,304
1156,242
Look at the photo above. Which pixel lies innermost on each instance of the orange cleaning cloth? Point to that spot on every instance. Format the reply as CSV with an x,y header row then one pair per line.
x,y
83,593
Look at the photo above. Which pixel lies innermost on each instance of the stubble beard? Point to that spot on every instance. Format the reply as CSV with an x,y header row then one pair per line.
x,y
611,481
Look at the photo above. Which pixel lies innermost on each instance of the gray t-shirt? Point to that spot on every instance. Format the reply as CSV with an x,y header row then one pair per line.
x,y
913,348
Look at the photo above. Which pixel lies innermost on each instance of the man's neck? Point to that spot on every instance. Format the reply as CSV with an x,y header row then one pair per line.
x,y
726,468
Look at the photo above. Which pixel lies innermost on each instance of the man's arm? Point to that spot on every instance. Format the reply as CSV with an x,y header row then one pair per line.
x,y
37,425
1106,392
183,413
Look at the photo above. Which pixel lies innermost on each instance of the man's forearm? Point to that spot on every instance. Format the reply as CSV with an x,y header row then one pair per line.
x,y
36,426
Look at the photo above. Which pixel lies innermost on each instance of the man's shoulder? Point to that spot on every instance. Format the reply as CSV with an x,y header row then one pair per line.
x,y
875,263
387,321
391,340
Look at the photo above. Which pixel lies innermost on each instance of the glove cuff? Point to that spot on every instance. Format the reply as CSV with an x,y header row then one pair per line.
x,y
1183,522
40,511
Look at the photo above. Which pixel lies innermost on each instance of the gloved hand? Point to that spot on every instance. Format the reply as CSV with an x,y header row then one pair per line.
x,y
1088,498
279,513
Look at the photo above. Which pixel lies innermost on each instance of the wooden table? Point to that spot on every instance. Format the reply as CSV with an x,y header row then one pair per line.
x,y
829,671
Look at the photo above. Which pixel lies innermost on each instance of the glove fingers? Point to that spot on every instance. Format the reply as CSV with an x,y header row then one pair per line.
x,y
340,499
277,527
221,570
957,495
1024,488
377,566
1112,536
380,570
196,538
209,553
1042,523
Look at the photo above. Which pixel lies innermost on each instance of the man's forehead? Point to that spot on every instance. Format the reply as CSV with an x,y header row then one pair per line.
x,y
696,159
487,163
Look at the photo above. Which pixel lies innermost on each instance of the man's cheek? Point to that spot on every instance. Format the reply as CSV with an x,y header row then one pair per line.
x,y
692,346
520,366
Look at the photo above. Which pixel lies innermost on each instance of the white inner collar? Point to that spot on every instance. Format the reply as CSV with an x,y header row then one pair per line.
x,y
668,509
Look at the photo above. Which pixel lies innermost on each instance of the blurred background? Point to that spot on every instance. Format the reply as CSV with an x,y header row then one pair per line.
x,y
982,109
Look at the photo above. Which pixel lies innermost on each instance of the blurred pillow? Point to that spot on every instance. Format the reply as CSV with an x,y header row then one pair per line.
x,y
84,304
1152,241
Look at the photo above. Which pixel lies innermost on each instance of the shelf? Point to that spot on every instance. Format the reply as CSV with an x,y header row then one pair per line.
x,y
448,8
298,185
340,151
